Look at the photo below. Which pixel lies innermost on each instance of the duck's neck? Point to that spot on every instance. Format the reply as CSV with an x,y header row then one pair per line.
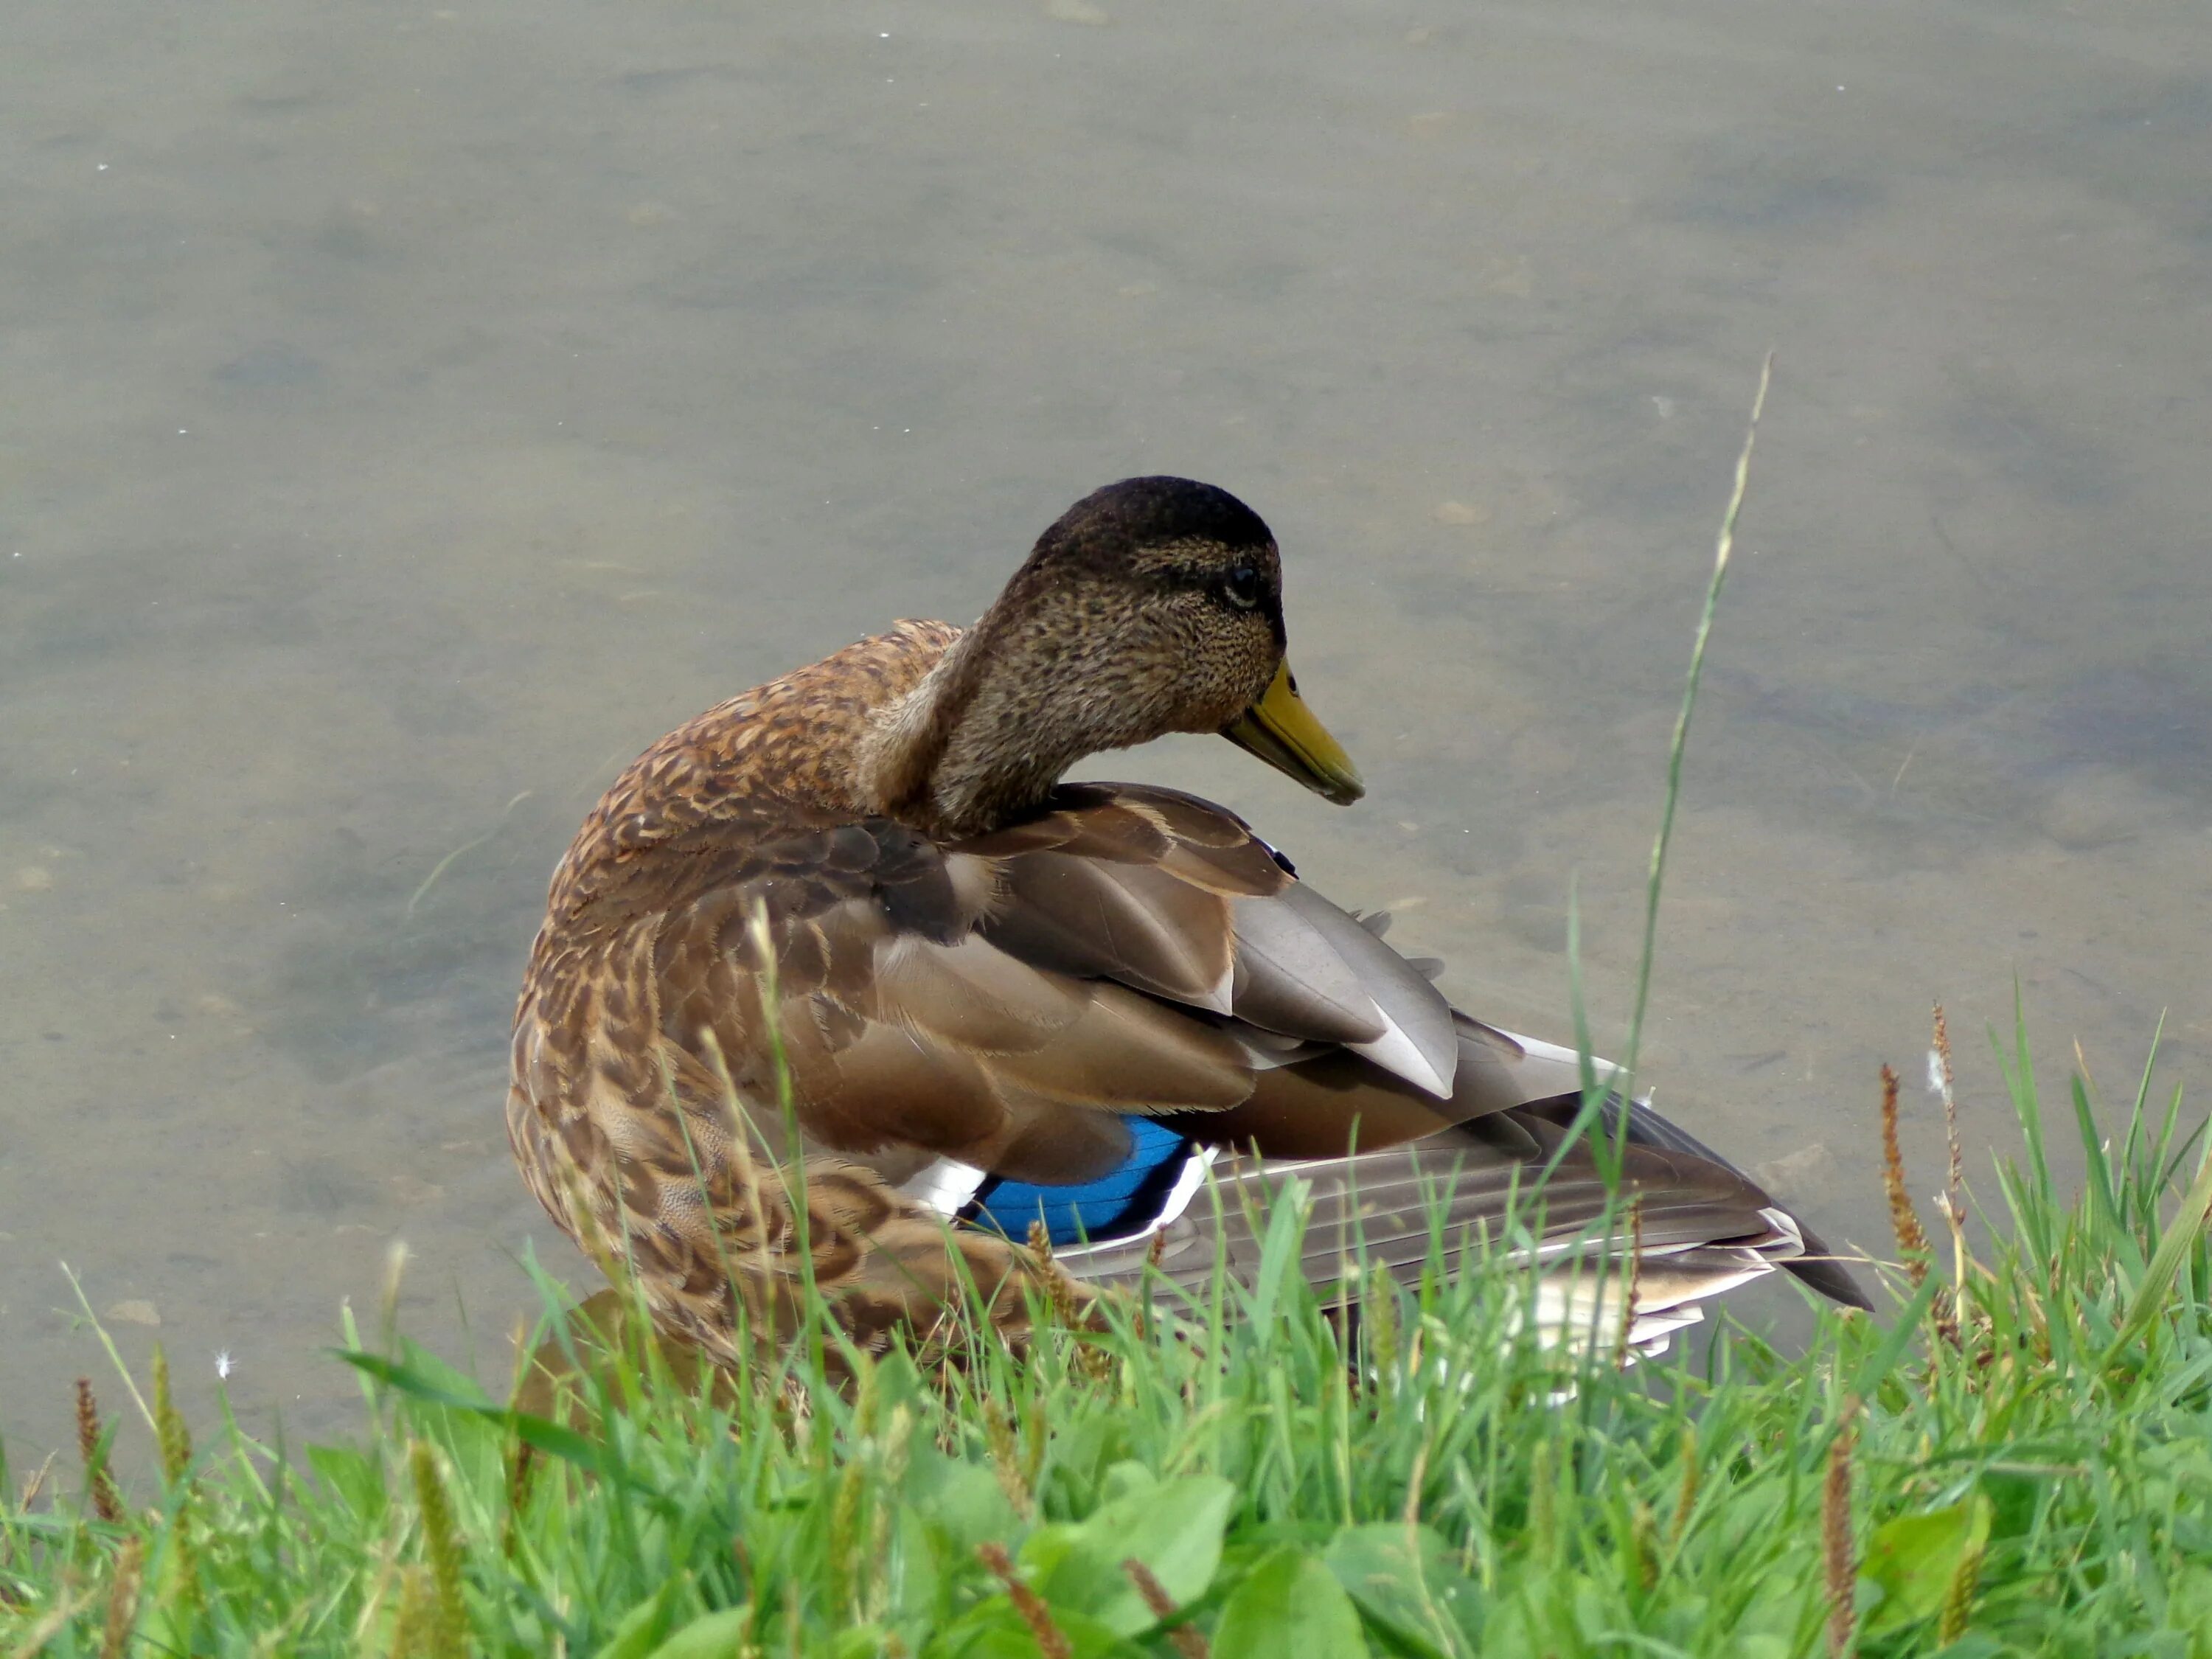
x,y
1008,709
957,755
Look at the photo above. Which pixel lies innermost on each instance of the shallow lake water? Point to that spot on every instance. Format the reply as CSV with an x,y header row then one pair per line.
x,y
411,412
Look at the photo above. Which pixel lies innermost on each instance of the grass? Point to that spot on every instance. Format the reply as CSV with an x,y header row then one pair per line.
x,y
2017,1459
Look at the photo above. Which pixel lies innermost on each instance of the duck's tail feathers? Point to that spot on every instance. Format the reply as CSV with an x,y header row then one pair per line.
x,y
1816,1266
1696,1227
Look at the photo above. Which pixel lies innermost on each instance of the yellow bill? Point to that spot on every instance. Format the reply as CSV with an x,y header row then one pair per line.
x,y
1281,730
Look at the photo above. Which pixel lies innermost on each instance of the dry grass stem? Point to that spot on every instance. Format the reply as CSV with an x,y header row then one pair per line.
x,y
1954,1191
1724,548
1415,1479
175,1443
35,1482
1836,1545
175,1439
448,1625
522,1464
1071,1302
1052,1642
410,1625
1958,1596
1185,1640
1643,1540
1903,1219
395,1274
106,1503
1687,1501
1005,1459
123,1599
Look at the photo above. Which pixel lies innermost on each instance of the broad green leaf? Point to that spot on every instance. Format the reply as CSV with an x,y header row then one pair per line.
x,y
1126,1479
1084,1462
1289,1604
920,1573
436,1371
1048,1545
2016,1495
1913,1559
962,1500
1174,1528
1404,1580
711,1635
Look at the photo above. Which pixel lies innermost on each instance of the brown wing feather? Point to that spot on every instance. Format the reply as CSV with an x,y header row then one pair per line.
x,y
1131,922
1136,1054
974,996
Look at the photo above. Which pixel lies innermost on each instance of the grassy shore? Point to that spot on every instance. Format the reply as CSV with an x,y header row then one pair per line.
x,y
2017,1459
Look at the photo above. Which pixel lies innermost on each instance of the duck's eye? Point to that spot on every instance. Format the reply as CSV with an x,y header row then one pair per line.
x,y
1241,587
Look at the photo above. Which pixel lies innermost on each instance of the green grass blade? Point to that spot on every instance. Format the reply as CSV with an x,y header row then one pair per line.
x,y
2149,1300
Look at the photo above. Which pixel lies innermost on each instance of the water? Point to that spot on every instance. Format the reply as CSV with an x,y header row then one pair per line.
x,y
411,413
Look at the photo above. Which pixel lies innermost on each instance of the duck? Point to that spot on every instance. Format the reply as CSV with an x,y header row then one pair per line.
x,y
841,991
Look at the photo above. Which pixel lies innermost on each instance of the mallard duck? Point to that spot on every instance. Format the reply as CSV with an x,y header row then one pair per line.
x,y
1002,1000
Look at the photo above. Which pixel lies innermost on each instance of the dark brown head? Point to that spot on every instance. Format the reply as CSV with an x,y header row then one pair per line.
x,y
1152,605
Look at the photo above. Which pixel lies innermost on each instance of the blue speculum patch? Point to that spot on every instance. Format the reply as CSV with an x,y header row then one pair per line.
x,y
1111,1207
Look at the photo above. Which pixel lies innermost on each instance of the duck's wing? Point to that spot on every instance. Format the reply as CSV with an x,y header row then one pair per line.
x,y
1354,1051
1069,1016
1012,1001
907,1035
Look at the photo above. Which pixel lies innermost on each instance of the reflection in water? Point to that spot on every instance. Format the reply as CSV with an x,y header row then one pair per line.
x,y
412,415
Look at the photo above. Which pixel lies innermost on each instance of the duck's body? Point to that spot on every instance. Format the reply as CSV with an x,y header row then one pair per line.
x,y
998,1000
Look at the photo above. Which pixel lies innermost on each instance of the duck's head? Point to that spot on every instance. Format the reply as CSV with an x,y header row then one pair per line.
x,y
1152,605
